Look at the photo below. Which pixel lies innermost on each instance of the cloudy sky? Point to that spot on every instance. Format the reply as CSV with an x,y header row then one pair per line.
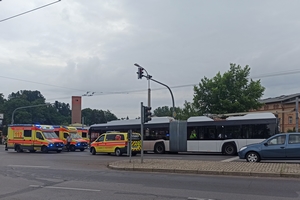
x,y
75,46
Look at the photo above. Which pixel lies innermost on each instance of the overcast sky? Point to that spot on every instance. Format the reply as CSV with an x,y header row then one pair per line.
x,y
75,46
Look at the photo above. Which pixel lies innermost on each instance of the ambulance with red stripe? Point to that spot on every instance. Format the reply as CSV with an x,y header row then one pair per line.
x,y
83,132
117,143
33,138
77,141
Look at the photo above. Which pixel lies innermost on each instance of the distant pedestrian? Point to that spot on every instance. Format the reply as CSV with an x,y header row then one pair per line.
x,y
69,140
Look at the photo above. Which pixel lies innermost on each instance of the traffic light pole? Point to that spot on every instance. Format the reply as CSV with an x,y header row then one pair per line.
x,y
173,113
142,132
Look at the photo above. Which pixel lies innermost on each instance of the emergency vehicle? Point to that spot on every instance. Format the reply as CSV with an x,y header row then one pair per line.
x,y
83,132
77,142
33,138
116,142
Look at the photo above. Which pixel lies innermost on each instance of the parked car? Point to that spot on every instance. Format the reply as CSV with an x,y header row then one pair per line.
x,y
284,146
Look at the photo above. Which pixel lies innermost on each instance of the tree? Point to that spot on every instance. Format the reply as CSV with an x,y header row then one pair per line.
x,y
94,116
167,111
228,93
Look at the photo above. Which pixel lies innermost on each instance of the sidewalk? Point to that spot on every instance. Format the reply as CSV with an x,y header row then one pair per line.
x,y
209,167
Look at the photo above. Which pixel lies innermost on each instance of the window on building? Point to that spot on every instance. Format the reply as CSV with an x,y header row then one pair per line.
x,y
290,119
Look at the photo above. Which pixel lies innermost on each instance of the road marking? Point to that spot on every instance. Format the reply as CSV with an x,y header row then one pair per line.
x,y
28,166
64,188
195,198
230,159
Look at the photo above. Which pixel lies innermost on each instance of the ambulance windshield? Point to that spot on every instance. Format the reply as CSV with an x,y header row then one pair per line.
x,y
50,135
75,136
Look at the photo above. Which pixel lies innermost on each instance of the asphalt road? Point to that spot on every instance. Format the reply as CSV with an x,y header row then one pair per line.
x,y
79,175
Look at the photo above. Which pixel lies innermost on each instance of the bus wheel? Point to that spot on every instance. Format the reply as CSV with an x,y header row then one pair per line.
x,y
118,152
44,149
159,148
229,149
93,151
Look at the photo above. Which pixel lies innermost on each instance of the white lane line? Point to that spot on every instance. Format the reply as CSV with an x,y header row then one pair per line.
x,y
64,188
28,166
195,198
230,159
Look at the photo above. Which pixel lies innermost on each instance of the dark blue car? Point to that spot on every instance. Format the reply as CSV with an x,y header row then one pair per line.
x,y
280,146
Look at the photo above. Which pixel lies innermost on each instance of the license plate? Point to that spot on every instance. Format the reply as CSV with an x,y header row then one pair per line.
x,y
59,149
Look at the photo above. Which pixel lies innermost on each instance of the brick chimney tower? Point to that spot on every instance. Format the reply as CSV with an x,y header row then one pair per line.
x,y
76,109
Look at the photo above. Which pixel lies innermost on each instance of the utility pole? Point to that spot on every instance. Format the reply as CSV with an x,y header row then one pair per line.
x,y
297,114
142,132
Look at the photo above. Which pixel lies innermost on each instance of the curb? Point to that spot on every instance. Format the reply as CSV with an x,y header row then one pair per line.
x,y
203,172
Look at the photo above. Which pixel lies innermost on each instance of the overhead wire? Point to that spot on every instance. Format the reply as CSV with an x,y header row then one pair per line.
x,y
2,20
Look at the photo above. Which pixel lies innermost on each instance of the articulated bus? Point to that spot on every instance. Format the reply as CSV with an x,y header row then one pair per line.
x,y
204,134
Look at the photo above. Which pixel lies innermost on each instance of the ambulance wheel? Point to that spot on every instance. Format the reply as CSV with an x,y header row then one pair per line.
x,y
58,151
18,149
44,149
93,151
72,148
118,152
81,149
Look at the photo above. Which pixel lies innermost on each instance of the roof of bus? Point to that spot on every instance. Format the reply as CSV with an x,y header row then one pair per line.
x,y
249,116
155,120
253,116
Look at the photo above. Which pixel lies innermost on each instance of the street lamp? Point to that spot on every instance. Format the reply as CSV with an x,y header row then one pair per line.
x,y
38,105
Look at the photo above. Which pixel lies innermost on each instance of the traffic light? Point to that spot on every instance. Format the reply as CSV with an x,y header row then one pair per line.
x,y
140,72
147,114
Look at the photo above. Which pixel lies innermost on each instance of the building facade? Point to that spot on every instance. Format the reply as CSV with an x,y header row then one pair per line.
x,y
284,107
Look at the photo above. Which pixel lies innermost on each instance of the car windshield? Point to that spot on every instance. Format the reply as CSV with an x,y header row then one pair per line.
x,y
50,135
75,136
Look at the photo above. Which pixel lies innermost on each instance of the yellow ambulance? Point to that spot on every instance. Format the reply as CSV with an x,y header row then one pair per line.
x,y
117,143
33,138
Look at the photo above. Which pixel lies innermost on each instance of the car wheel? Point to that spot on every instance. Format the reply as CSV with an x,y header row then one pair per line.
x,y
118,152
93,151
252,157
229,149
159,148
